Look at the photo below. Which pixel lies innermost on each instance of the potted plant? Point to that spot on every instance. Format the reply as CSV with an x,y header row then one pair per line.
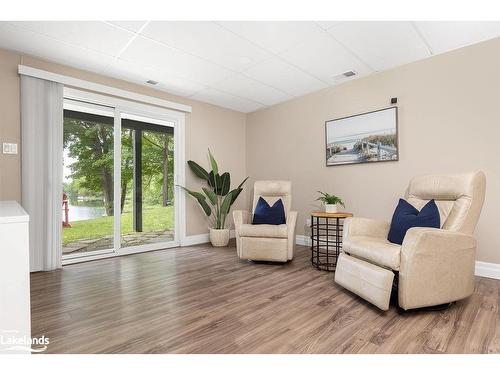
x,y
331,201
215,199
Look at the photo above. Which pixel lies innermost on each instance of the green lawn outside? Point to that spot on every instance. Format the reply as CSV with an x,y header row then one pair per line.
x,y
153,219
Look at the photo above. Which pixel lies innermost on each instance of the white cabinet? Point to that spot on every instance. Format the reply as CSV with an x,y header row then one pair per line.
x,y
15,316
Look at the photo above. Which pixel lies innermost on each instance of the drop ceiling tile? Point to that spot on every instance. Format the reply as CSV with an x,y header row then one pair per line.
x,y
283,76
248,88
274,36
226,100
328,24
94,35
444,36
27,42
382,45
133,26
324,58
148,53
125,70
207,40
178,85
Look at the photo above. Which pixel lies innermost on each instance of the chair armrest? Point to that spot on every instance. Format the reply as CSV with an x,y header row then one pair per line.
x,y
437,266
291,223
359,226
420,240
240,217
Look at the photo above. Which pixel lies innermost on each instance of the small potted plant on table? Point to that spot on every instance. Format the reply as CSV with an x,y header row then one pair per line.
x,y
331,202
215,199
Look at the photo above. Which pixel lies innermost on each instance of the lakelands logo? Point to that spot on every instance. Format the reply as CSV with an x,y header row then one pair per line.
x,y
11,341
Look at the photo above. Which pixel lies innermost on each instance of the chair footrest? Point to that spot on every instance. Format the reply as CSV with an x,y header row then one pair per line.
x,y
367,280
264,249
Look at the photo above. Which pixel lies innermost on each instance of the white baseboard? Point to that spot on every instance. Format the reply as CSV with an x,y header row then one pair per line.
x,y
201,238
483,269
491,270
195,239
302,240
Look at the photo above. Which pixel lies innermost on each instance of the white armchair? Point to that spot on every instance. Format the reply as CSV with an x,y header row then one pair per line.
x,y
265,242
435,266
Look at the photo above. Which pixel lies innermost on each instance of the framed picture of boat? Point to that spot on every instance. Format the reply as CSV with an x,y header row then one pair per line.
x,y
364,138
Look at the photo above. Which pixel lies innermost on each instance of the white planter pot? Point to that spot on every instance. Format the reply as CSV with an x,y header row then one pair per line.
x,y
331,208
219,237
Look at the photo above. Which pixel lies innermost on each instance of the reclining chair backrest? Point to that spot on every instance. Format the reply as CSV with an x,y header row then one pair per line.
x,y
271,191
459,198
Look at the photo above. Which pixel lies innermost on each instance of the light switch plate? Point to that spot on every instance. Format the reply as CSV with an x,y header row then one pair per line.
x,y
9,148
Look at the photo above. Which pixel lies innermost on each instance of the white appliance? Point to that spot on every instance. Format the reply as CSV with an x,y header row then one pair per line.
x,y
15,314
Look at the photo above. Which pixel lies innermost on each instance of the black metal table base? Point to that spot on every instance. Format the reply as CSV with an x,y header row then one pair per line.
x,y
326,242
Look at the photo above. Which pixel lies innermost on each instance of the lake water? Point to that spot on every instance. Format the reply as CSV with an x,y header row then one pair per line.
x,y
77,213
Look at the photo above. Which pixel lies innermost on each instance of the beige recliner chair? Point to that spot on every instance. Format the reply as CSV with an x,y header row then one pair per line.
x,y
435,266
267,242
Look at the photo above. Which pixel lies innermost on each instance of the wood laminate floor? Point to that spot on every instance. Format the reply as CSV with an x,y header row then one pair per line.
x,y
204,300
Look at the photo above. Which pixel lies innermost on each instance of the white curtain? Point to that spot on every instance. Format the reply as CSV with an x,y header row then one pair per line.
x,y
42,156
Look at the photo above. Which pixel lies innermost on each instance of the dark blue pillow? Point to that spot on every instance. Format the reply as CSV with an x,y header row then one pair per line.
x,y
406,216
265,214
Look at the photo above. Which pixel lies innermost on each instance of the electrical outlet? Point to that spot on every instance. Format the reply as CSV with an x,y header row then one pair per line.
x,y
9,148
308,223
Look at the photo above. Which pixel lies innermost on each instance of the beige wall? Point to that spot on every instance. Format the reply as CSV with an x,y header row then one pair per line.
x,y
220,129
449,121
10,173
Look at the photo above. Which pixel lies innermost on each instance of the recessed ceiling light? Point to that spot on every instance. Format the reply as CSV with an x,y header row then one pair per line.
x,y
152,82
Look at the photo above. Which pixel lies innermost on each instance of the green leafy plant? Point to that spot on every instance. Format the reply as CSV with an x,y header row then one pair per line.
x,y
216,198
330,199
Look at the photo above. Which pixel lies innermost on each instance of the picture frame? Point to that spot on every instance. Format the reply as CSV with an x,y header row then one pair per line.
x,y
367,137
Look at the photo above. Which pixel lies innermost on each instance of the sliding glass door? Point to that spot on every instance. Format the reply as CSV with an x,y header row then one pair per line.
x,y
147,188
88,183
119,192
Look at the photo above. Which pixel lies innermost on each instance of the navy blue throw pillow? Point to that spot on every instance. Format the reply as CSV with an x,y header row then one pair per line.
x,y
265,214
406,216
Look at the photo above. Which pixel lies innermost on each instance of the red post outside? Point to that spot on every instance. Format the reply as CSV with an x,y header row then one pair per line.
x,y
66,223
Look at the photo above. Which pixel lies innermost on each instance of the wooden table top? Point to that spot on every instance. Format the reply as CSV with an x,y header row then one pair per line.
x,y
331,214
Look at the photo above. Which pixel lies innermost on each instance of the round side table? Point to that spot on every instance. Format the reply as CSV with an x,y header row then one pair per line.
x,y
326,238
